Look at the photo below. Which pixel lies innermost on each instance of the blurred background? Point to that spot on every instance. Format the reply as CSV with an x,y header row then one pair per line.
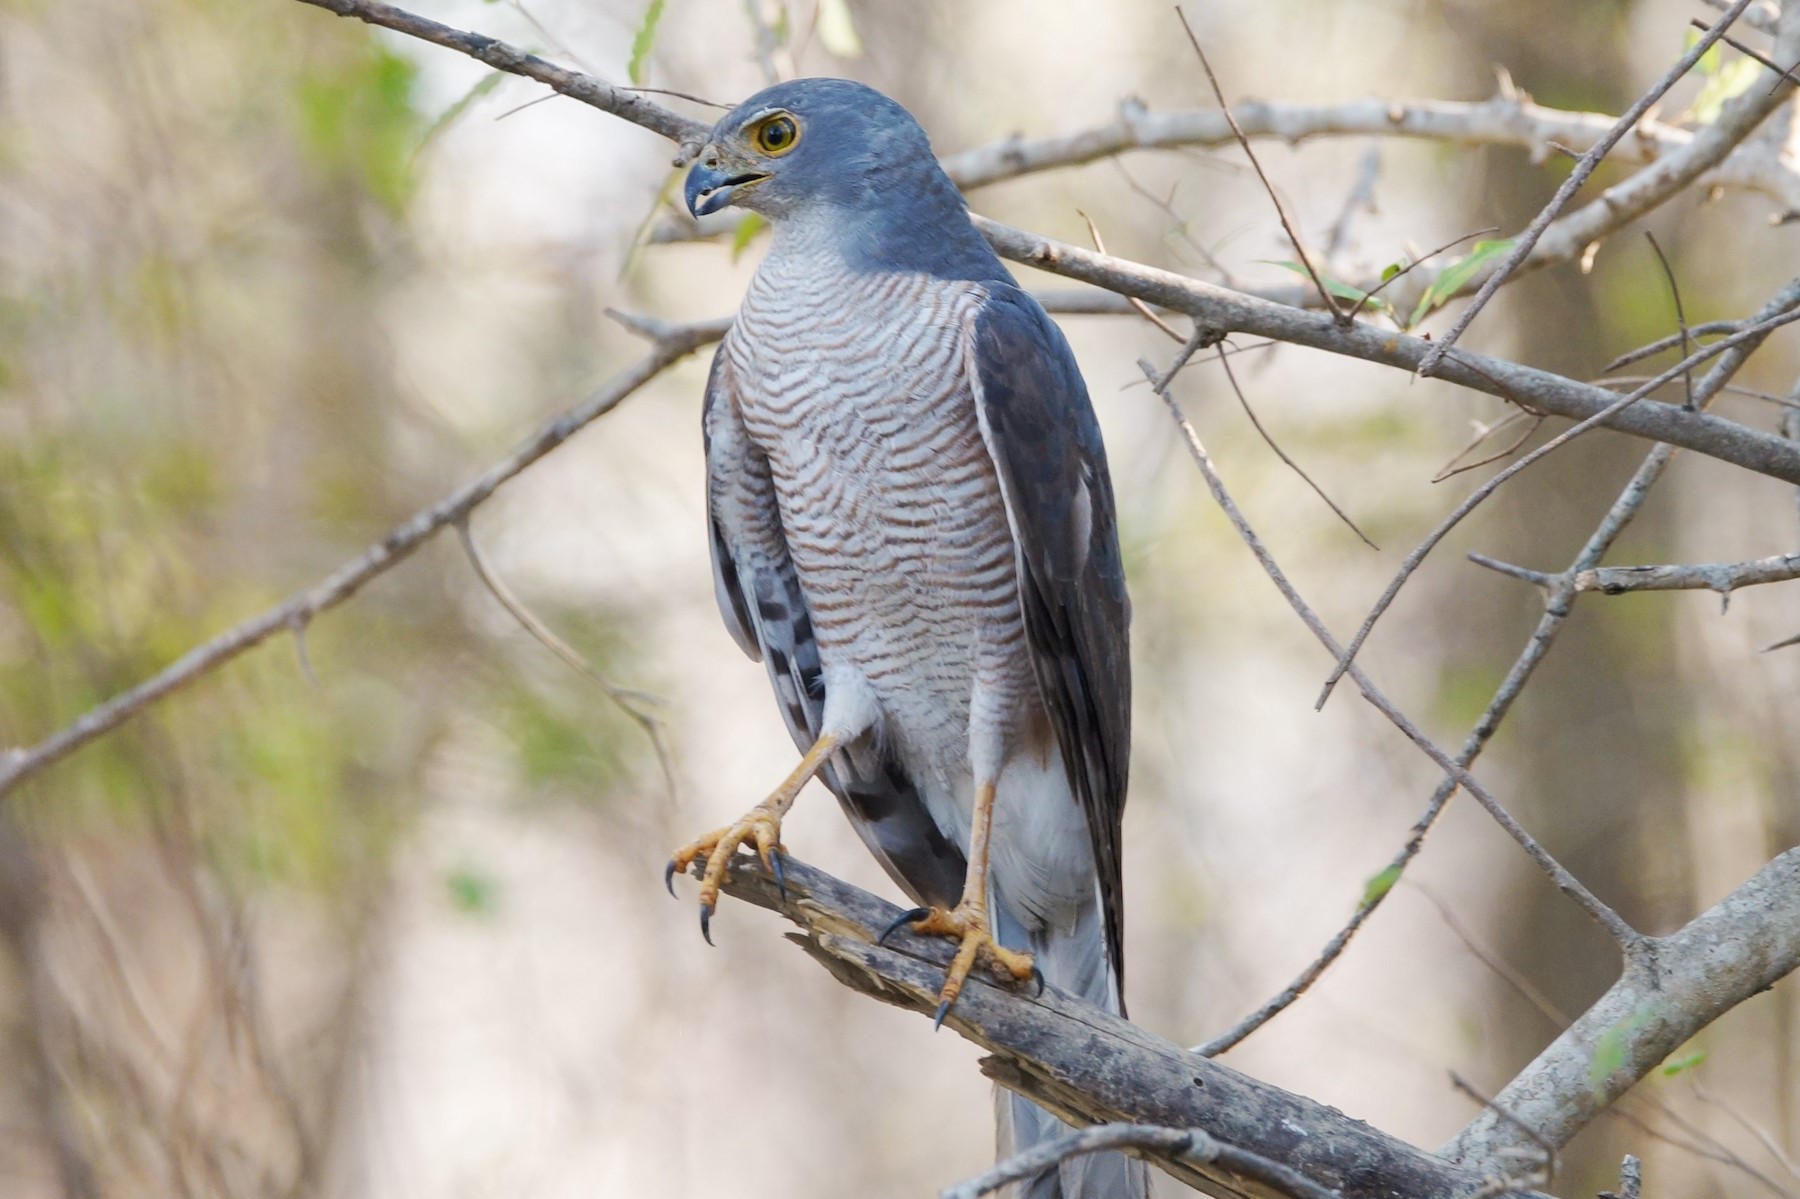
x,y
382,915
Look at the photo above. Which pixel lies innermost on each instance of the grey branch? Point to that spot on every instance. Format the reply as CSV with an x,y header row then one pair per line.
x,y
1229,311
1722,577
1508,119
1090,1067
1588,163
1668,992
20,764
1190,1143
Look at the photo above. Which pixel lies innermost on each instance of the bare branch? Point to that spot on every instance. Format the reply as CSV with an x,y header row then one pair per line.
x,y
1090,1067
20,764
1226,311
1722,577
1583,168
1677,986
1176,1142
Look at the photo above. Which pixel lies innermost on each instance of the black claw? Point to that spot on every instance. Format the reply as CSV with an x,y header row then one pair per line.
x,y
669,876
706,912
904,918
780,877
1037,976
943,1010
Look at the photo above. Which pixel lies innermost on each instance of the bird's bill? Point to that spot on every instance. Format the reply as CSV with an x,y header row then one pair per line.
x,y
710,188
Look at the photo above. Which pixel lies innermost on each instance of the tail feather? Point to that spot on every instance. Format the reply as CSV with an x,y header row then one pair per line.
x,y
1074,959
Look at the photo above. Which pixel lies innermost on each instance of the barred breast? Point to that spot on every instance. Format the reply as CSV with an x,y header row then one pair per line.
x,y
854,386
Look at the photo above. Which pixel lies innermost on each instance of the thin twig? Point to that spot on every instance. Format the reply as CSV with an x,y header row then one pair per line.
x,y
1681,325
1137,305
1451,468
1400,274
1480,494
1546,1172
1707,329
634,704
1325,296
1786,72
1244,402
1627,937
1583,168
1172,1142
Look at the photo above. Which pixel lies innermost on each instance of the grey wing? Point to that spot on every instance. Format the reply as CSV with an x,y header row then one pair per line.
x,y
1045,442
764,606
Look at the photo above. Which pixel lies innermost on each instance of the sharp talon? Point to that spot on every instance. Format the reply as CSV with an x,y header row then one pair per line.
x,y
937,1021
706,922
669,876
1037,976
780,877
904,918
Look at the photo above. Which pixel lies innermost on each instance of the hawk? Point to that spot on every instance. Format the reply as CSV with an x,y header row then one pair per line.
x,y
913,528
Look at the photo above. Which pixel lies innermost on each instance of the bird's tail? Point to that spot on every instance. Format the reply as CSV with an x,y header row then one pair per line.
x,y
1074,959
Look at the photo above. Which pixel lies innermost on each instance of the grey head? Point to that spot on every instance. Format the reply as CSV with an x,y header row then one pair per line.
x,y
845,162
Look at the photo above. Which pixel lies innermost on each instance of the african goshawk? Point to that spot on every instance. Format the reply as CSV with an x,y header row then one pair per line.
x,y
913,527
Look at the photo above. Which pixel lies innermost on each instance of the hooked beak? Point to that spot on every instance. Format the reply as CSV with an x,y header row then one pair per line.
x,y
710,189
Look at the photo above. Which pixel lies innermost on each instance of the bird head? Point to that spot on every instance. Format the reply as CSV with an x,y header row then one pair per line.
x,y
804,144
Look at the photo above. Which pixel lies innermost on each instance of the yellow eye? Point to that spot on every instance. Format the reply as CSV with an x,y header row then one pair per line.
x,y
776,135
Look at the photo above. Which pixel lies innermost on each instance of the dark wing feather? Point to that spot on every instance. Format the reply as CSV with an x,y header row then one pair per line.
x,y
1040,429
765,608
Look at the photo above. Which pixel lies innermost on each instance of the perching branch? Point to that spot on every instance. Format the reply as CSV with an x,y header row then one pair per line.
x,y
1089,1066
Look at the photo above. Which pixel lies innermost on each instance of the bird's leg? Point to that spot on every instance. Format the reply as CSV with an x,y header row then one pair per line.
x,y
760,826
968,922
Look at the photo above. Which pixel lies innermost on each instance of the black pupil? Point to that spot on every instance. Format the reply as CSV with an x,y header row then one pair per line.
x,y
777,134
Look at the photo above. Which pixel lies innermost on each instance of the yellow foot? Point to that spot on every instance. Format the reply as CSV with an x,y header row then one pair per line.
x,y
967,924
759,827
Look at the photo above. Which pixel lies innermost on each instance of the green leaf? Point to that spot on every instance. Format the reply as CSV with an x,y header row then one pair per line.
x,y
1609,1052
1453,278
1336,287
1390,270
1376,889
1727,84
471,891
748,228
451,115
837,29
1686,1061
643,41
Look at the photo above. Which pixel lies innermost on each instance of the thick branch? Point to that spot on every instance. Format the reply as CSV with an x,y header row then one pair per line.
x,y
1226,311
1091,1067
1674,988
1508,119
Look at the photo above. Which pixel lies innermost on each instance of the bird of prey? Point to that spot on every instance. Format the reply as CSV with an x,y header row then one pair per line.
x,y
913,527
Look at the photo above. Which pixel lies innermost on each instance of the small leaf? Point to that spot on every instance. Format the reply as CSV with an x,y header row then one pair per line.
x,y
1609,1052
643,41
1457,275
1686,1061
748,228
471,891
1376,889
1390,270
837,29
1336,287
1729,83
